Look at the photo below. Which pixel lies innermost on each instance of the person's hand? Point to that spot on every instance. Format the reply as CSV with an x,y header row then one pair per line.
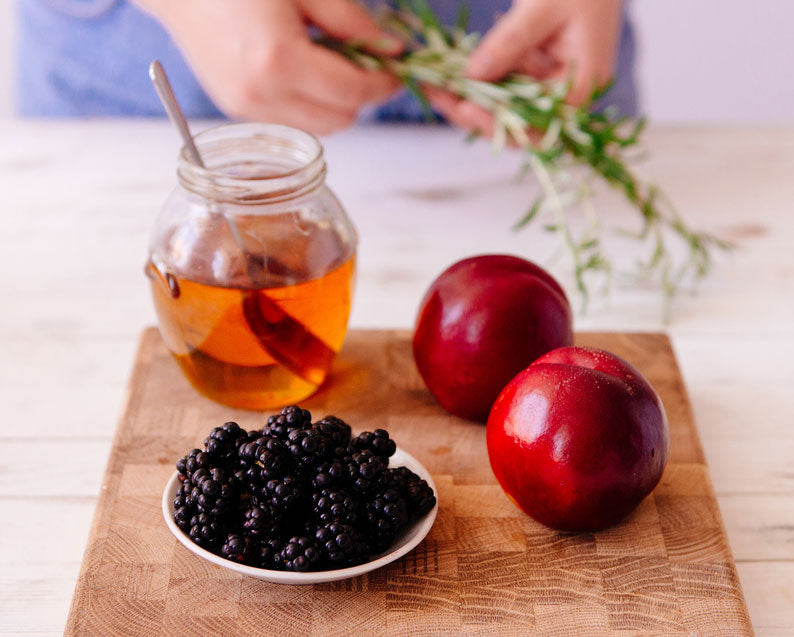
x,y
256,61
546,39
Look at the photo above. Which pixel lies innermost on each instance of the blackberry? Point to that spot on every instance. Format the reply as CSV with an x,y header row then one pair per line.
x,y
182,497
184,507
214,492
378,442
265,552
236,548
386,514
181,500
182,516
335,429
417,493
283,495
308,447
192,462
262,521
246,437
205,530
334,505
340,545
221,443
299,554
292,417
332,473
421,498
263,459
366,471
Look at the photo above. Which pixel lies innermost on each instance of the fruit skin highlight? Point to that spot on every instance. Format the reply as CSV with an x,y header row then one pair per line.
x,y
578,439
482,321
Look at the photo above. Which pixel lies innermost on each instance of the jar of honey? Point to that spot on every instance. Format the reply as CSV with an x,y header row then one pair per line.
x,y
251,266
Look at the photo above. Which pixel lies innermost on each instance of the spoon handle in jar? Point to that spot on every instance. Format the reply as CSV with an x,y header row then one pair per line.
x,y
166,94
167,97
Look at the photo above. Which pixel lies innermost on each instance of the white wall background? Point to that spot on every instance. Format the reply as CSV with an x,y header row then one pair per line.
x,y
700,60
716,60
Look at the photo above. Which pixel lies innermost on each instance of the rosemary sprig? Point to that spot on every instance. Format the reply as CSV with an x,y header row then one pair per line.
x,y
567,137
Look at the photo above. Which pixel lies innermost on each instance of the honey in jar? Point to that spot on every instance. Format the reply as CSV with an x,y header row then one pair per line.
x,y
251,267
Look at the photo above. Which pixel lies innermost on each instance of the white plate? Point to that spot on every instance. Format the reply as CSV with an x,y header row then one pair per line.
x,y
407,540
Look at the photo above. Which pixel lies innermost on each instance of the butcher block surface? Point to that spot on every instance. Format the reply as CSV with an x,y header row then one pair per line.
x,y
485,567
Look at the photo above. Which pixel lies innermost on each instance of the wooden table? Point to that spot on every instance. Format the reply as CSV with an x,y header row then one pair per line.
x,y
78,199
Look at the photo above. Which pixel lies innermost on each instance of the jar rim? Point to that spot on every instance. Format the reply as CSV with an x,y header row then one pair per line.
x,y
303,167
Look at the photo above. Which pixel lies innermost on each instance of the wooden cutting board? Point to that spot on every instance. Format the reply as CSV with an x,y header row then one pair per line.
x,y
485,567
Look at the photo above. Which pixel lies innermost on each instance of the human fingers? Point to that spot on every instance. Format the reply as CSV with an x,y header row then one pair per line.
x,y
338,81
471,117
537,63
585,67
461,113
586,48
300,111
303,70
347,20
528,24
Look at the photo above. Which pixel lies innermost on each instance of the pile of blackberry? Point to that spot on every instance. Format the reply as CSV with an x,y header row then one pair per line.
x,y
297,495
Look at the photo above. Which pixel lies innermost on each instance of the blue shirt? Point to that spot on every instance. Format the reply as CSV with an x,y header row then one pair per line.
x,y
91,57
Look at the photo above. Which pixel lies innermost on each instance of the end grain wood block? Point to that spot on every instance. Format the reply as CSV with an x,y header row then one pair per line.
x,y
484,569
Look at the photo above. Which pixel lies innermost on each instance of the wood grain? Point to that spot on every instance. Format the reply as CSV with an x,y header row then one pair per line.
x,y
485,568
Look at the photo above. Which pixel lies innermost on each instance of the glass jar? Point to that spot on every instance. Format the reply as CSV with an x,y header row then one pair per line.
x,y
251,266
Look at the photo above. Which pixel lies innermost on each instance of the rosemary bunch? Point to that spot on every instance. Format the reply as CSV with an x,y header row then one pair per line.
x,y
566,137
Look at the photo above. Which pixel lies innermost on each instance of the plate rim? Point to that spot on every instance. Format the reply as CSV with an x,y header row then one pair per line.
x,y
422,527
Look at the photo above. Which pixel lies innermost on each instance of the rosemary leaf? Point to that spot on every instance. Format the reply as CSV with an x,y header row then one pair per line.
x,y
462,19
533,211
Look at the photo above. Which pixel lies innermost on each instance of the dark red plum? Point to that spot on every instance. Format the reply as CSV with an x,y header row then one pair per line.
x,y
578,439
481,322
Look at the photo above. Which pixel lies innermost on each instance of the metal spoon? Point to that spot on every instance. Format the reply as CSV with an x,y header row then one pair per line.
x,y
175,114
